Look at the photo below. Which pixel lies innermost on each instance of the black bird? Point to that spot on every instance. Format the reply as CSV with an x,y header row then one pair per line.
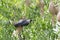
x,y
22,22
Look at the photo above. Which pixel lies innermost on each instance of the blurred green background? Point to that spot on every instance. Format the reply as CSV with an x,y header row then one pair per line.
x,y
12,10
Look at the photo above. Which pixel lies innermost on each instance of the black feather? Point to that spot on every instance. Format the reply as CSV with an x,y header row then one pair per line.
x,y
22,22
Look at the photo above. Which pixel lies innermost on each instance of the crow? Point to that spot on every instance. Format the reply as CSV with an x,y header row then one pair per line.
x,y
22,22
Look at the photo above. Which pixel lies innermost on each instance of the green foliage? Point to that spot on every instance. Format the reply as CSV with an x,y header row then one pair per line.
x,y
39,29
